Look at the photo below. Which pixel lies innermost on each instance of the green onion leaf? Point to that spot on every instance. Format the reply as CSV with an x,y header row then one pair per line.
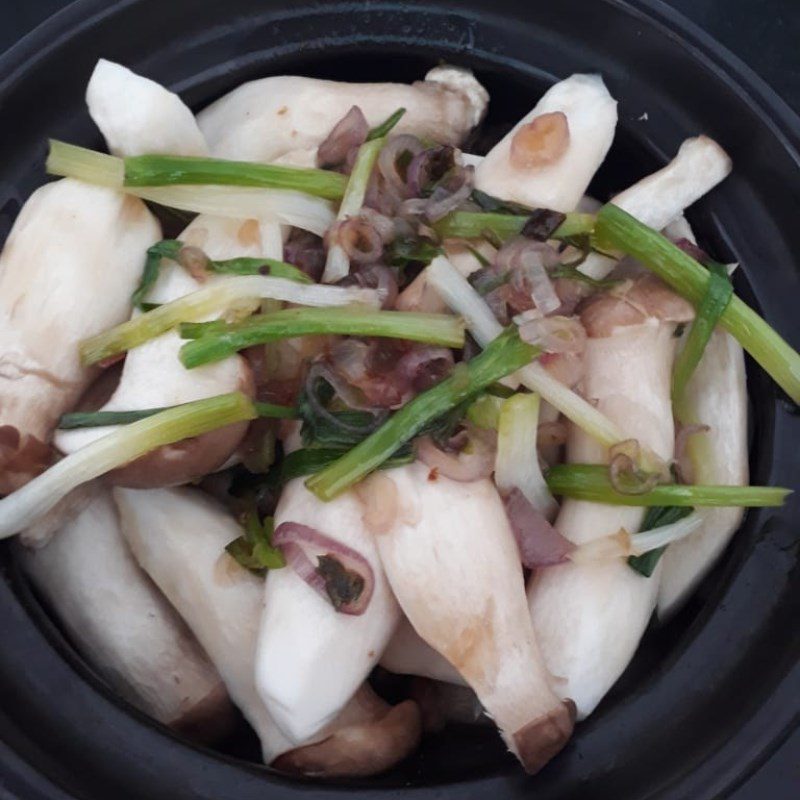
x,y
656,517
310,460
475,224
166,248
712,306
161,170
591,482
254,550
20,509
617,229
99,419
214,341
382,130
259,266
503,356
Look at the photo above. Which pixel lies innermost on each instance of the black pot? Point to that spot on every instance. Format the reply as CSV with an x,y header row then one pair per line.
x,y
708,697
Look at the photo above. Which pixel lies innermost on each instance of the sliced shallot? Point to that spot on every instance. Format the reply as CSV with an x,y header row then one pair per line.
x,y
342,575
540,544
348,133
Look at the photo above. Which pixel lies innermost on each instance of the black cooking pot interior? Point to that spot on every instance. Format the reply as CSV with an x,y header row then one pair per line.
x,y
709,695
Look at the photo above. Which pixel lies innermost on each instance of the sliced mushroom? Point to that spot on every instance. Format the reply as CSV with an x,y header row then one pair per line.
x,y
138,116
178,536
454,566
549,157
589,617
71,241
124,627
311,658
265,119
656,200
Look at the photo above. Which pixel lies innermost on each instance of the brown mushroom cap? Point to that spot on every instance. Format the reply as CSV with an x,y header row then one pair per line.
x,y
360,749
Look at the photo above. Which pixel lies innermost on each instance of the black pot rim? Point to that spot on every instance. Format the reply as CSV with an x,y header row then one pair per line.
x,y
729,767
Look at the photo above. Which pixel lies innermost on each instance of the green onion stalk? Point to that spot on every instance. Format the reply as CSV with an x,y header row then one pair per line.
x,y
591,482
23,507
617,229
503,356
476,224
214,341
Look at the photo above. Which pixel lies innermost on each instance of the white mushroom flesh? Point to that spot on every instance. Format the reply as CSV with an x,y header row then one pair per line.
x,y
311,658
267,118
70,242
138,116
454,566
119,620
591,114
589,617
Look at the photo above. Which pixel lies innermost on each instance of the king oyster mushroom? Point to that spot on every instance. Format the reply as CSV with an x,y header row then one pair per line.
x,y
154,377
70,241
179,536
311,657
138,116
124,626
454,565
265,119
589,616
551,154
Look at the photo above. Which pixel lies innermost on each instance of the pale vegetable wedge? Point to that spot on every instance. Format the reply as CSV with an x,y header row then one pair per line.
x,y
264,119
138,116
123,625
591,114
589,617
454,565
70,241
311,658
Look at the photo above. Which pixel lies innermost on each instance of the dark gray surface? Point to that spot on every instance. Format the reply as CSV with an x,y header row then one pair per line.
x,y
764,34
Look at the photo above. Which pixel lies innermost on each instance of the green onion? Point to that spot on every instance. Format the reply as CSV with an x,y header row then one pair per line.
x,y
337,264
310,460
484,412
687,277
711,308
212,299
166,248
254,550
99,419
161,170
591,482
656,517
503,356
295,208
215,342
385,128
244,265
21,508
473,224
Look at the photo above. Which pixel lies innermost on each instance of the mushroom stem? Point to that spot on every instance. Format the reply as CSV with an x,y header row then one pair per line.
x,y
589,115
454,566
265,119
178,536
57,254
589,617
123,625
658,199
311,658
